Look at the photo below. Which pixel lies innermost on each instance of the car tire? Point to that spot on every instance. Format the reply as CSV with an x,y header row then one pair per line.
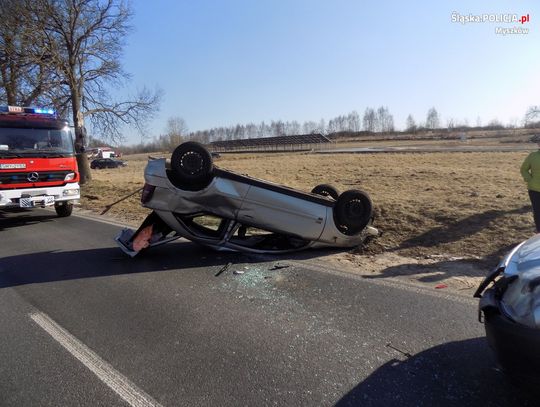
x,y
64,210
326,190
352,211
192,165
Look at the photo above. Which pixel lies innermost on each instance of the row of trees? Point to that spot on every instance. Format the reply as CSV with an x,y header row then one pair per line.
x,y
432,121
66,54
373,120
177,130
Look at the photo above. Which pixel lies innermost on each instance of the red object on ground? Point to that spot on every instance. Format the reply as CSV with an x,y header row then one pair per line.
x,y
438,286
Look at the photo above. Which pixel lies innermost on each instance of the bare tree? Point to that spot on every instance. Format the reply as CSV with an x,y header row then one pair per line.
x,y
84,39
370,120
432,119
309,127
384,119
278,128
354,121
176,126
332,126
239,132
321,127
12,39
175,130
532,114
251,130
478,121
410,124
495,124
26,76
261,130
294,128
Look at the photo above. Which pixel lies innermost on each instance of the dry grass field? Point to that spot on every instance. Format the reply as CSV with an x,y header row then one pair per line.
x,y
445,217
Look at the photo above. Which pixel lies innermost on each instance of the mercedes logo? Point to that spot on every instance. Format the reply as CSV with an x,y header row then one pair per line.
x,y
33,177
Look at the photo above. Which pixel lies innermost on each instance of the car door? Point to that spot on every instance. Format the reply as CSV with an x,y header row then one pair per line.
x,y
282,213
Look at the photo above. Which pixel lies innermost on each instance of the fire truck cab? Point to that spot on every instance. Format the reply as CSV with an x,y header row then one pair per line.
x,y
38,167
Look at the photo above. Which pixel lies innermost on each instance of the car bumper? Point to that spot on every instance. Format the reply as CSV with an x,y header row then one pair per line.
x,y
39,197
516,346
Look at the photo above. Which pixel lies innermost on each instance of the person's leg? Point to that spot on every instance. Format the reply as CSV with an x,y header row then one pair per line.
x,y
535,202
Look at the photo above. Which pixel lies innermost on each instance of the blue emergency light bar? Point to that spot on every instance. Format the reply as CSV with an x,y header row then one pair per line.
x,y
44,111
31,110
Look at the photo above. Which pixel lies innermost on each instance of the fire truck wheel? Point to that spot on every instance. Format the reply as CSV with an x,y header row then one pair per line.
x,y
63,210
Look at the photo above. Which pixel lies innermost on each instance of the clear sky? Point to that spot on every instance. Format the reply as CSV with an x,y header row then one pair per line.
x,y
226,62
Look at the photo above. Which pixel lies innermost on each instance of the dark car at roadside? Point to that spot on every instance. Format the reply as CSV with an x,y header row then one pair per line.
x,y
510,310
101,163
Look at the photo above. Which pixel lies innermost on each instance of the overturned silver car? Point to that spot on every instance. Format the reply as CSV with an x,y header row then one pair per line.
x,y
192,198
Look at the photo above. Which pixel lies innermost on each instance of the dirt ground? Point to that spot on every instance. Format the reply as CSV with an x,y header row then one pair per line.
x,y
445,218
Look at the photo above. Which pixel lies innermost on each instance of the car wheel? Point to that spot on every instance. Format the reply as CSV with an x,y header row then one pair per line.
x,y
64,210
326,190
352,211
191,164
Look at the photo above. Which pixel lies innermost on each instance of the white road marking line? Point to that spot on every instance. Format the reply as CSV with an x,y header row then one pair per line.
x,y
120,384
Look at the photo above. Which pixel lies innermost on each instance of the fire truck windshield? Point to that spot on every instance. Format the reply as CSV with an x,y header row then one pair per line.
x,y
35,142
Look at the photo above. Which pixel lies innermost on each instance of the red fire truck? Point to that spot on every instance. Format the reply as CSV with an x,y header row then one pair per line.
x,y
38,167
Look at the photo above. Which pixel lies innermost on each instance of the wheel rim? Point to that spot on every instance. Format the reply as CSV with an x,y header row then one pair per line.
x,y
355,209
192,162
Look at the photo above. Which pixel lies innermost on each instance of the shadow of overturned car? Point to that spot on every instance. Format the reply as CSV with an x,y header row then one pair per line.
x,y
49,266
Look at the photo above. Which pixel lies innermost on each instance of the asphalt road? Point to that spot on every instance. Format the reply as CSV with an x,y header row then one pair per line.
x,y
84,325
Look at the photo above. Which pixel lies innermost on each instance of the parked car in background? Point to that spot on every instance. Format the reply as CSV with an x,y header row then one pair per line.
x,y
192,198
100,163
